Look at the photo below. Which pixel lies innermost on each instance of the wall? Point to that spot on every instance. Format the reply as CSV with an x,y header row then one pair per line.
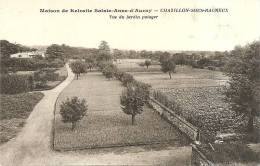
x,y
197,158
184,126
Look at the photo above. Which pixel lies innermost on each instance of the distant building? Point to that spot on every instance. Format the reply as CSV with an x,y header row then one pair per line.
x,y
28,54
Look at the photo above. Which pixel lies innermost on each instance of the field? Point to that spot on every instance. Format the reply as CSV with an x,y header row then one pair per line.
x,y
14,111
198,93
185,76
105,124
132,65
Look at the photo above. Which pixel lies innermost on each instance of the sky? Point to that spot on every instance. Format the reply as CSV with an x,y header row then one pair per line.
x,y
23,23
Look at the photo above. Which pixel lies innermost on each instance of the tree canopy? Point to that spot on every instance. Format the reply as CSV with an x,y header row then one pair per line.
x,y
243,70
168,66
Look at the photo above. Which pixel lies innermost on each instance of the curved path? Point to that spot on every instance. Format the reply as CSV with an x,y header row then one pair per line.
x,y
32,146
34,139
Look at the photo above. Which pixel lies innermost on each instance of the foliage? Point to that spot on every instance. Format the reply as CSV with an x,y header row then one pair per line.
x,y
27,64
144,90
104,52
109,71
147,63
8,48
228,153
78,67
90,62
243,70
204,107
168,66
164,57
132,101
42,76
126,79
73,110
13,83
55,52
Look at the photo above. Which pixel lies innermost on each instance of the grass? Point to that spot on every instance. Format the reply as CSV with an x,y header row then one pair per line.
x,y
14,111
184,76
106,125
133,66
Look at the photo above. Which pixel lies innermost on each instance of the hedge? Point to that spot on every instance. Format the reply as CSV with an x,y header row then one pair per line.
x,y
125,78
13,83
27,64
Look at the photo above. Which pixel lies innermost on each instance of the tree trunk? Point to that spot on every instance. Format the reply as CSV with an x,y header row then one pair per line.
x,y
77,76
133,119
250,124
170,74
146,67
73,125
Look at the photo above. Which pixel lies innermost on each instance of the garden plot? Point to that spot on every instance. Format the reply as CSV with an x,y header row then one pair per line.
x,y
105,124
204,107
14,111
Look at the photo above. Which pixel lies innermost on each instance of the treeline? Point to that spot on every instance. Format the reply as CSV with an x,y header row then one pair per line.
x,y
7,48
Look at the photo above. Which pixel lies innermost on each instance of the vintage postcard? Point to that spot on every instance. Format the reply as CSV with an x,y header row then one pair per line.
x,y
133,82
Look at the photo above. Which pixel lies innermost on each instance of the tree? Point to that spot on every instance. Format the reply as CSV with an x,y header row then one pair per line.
x,y
78,67
90,62
165,56
104,52
243,70
168,66
73,110
7,48
131,101
147,63
55,52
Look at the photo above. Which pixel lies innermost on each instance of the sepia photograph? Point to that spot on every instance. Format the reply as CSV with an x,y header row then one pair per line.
x,y
134,82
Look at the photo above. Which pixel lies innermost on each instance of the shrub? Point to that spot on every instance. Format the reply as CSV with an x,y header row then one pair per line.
x,y
27,64
127,79
12,84
109,71
73,110
57,63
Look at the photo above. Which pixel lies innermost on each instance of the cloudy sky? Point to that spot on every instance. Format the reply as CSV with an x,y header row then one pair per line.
x,y
22,22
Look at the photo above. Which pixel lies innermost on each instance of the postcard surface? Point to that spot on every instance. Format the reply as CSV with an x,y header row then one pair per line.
x,y
134,82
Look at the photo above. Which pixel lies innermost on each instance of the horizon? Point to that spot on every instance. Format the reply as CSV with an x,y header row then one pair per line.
x,y
124,49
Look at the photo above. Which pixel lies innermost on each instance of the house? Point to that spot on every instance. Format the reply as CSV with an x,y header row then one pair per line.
x,y
28,54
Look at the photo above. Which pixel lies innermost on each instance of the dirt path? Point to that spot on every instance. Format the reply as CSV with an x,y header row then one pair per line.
x,y
32,145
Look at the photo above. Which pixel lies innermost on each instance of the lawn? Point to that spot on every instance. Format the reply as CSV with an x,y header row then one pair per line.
x,y
105,124
14,111
185,76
